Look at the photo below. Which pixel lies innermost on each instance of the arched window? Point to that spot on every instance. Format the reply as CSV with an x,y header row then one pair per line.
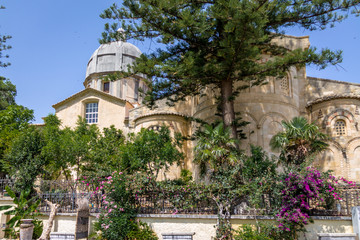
x,y
340,128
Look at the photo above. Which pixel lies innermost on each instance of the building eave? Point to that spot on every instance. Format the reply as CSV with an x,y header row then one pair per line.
x,y
88,90
161,113
332,97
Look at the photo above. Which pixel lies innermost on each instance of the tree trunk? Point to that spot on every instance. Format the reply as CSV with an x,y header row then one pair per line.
x,y
227,106
224,230
45,235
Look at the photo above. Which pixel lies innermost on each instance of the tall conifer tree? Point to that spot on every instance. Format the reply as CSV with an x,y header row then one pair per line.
x,y
220,42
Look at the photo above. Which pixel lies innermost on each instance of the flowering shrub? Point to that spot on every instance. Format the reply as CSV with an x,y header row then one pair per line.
x,y
117,220
301,188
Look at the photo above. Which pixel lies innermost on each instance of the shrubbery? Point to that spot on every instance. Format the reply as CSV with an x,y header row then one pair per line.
x,y
118,218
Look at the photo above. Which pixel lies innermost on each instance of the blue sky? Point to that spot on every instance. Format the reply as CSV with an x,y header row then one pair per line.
x,y
53,41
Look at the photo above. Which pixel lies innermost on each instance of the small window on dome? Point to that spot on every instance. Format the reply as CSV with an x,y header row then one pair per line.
x,y
106,87
340,128
128,59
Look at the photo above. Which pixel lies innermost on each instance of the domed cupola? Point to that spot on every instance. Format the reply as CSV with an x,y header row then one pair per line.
x,y
112,57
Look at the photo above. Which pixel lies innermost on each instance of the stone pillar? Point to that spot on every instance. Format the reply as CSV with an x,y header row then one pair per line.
x,y
26,229
82,219
3,220
355,213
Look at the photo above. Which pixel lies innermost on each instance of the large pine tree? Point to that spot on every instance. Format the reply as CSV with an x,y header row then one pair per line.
x,y
220,42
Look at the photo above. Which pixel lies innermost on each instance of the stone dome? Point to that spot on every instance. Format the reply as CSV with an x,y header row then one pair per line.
x,y
113,56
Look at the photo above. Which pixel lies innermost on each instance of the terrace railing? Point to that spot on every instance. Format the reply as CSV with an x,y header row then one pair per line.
x,y
3,183
68,202
66,193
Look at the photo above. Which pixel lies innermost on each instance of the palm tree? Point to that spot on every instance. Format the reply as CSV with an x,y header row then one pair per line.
x,y
219,159
215,148
298,141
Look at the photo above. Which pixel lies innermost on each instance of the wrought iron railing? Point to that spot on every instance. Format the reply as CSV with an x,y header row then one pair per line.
x,y
156,204
65,193
3,184
68,202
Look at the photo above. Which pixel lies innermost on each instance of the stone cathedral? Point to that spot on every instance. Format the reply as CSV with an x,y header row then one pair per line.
x,y
333,105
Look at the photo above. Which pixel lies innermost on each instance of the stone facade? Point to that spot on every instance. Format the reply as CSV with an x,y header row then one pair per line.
x,y
334,105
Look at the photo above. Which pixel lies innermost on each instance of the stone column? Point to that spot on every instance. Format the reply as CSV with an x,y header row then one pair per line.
x,y
26,229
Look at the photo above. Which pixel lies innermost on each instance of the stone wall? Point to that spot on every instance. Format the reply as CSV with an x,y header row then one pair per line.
x,y
334,106
202,226
111,110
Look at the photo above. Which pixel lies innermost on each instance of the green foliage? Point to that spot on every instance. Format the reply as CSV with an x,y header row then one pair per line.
x,y
142,231
246,232
24,160
261,231
67,148
298,141
219,43
221,162
215,149
258,164
58,148
52,151
117,219
7,89
13,120
150,151
25,208
105,152
260,176
7,92
186,175
4,47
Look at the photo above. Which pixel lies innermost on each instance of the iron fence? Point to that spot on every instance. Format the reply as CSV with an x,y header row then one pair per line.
x,y
3,183
65,193
50,186
156,204
64,186
68,202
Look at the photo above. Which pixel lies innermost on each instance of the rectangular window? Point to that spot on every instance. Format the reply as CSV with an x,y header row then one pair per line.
x,y
106,87
91,113
168,236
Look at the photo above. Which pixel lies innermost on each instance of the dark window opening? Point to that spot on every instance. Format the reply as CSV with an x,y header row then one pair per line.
x,y
106,87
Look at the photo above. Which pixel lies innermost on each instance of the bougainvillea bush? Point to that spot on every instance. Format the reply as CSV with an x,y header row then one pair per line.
x,y
302,190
